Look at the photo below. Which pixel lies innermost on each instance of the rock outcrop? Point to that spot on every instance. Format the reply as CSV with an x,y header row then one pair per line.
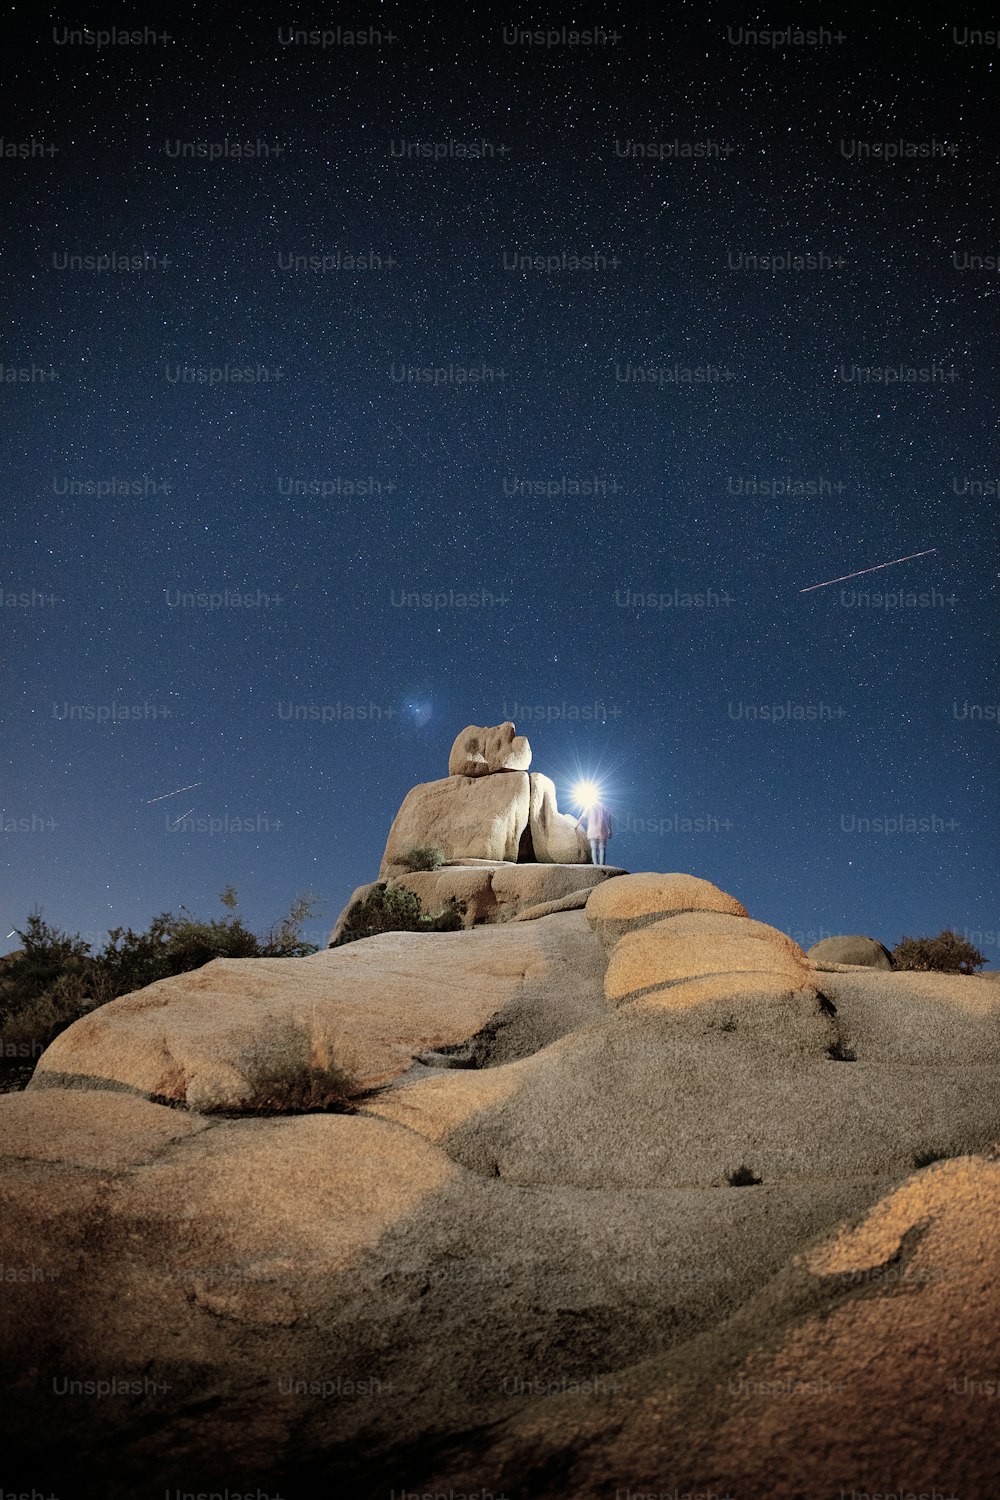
x,y
488,807
477,817
865,952
632,1196
496,892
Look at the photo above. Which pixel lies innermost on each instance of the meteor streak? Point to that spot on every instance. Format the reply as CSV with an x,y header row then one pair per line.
x,y
173,794
180,820
843,578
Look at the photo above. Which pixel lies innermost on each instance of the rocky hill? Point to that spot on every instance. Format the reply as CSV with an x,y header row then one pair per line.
x,y
630,1195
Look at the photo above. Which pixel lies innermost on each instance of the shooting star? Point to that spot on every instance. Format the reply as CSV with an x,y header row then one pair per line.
x,y
173,794
180,820
413,445
843,578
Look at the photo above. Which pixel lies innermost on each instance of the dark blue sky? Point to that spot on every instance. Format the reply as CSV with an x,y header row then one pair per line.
x,y
220,466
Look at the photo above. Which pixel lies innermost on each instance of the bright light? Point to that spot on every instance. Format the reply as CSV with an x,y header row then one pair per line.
x,y
586,793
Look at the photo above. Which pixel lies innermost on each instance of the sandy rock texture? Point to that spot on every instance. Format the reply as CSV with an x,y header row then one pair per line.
x,y
629,1198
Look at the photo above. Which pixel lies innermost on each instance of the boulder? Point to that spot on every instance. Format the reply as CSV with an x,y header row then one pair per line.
x,y
555,838
698,943
483,817
481,752
851,949
223,1036
638,900
491,892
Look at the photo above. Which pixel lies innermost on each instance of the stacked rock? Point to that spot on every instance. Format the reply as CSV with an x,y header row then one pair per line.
x,y
488,807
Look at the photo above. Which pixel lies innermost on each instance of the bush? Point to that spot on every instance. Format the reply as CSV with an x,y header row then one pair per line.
x,y
54,978
744,1177
395,908
385,908
291,1072
946,954
423,857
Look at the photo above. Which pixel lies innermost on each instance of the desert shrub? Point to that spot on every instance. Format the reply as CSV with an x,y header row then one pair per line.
x,y
284,939
423,857
743,1177
948,953
291,1072
385,908
45,954
54,978
395,908
840,1052
449,918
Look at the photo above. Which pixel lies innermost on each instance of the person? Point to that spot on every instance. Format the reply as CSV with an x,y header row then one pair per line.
x,y
598,830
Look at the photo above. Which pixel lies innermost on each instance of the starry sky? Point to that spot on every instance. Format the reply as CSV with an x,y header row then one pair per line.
x,y
596,519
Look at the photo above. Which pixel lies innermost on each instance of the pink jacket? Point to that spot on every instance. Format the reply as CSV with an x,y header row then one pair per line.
x,y
598,821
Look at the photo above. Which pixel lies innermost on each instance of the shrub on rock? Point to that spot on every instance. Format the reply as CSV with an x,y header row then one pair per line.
x,y
423,857
395,908
948,953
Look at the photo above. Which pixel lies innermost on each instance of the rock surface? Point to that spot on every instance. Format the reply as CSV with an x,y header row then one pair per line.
x,y
479,816
524,1264
685,1086
492,892
213,1038
867,1365
338,1296
481,752
555,838
851,949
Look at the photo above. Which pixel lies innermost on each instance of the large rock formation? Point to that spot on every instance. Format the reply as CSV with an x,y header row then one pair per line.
x,y
466,817
488,807
479,752
535,1273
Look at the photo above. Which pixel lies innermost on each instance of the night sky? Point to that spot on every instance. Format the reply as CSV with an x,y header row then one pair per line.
x,y
566,514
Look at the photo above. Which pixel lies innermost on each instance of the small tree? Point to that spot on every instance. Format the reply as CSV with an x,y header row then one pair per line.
x,y
948,953
285,939
44,955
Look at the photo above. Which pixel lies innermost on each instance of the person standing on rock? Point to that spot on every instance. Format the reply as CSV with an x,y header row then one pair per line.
x,y
598,830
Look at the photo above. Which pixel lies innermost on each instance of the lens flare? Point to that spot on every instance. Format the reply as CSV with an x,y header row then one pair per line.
x,y
586,793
